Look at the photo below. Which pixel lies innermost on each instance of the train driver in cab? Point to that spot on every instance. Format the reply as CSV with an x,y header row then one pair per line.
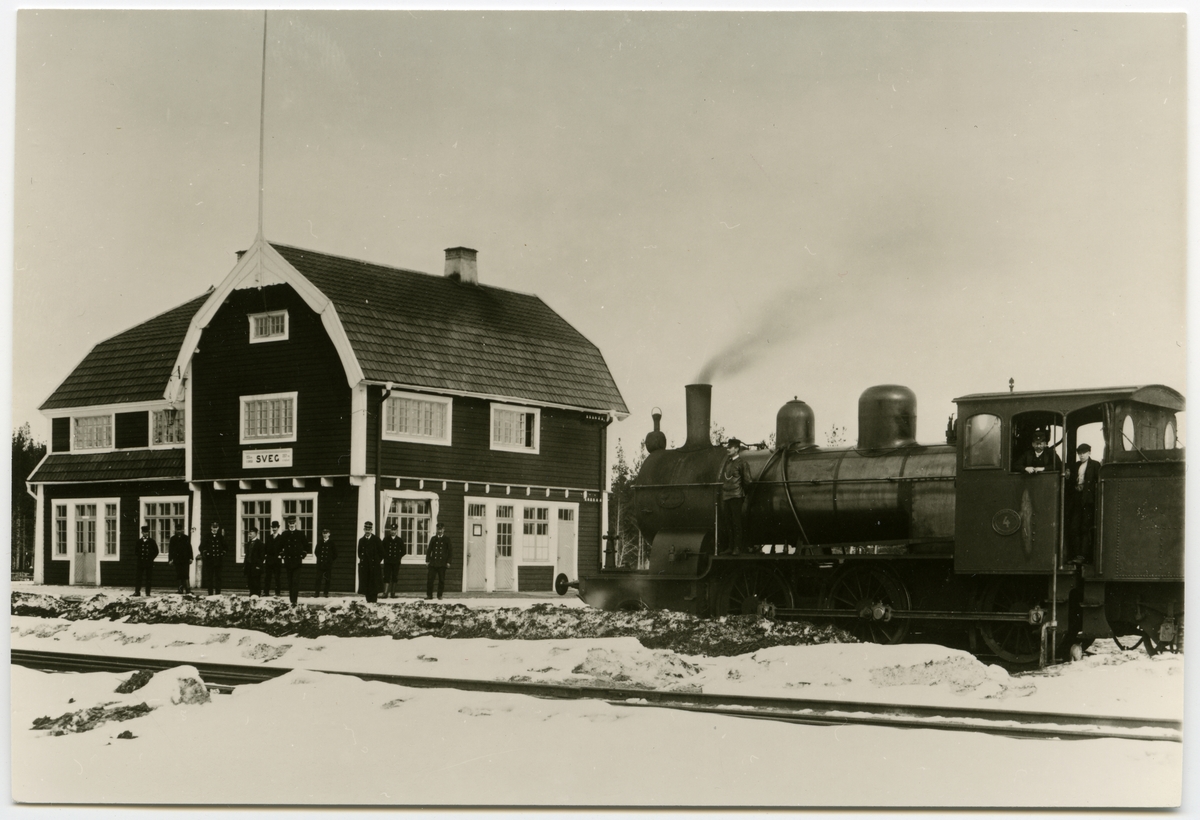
x,y
1039,458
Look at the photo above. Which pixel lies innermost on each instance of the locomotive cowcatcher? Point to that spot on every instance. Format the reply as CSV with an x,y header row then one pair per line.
x,y
893,539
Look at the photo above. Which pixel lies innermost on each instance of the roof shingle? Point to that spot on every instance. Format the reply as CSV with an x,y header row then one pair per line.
x,y
120,465
430,331
131,366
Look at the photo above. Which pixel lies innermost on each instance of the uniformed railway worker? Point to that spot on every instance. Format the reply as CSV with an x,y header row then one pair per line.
x,y
212,551
437,557
735,479
326,553
180,553
370,552
394,550
1082,482
256,556
147,551
1039,458
293,546
272,562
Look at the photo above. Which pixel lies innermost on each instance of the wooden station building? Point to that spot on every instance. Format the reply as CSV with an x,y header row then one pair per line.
x,y
340,392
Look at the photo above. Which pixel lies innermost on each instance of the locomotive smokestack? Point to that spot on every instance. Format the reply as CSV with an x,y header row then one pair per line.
x,y
699,415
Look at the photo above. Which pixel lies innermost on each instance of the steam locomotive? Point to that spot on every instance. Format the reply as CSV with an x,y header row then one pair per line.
x,y
891,538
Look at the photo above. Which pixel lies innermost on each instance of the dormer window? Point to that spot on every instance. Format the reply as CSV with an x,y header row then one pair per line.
x,y
269,327
92,432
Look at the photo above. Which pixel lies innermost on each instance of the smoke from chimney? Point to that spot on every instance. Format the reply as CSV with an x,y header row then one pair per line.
x,y
781,319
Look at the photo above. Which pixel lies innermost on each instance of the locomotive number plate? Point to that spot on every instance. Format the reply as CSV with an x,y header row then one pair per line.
x,y
1006,522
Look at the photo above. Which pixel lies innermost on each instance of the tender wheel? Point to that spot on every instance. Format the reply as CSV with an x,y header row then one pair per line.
x,y
872,593
1015,642
753,592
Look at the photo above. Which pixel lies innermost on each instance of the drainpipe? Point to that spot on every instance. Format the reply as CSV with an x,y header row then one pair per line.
x,y
383,397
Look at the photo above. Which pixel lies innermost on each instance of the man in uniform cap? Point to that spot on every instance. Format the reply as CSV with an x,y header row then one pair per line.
x,y
180,553
437,556
326,553
1039,458
272,562
394,550
1082,481
212,550
735,479
370,552
147,551
293,546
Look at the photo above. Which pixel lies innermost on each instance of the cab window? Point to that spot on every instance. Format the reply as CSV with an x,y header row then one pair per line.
x,y
1027,430
981,443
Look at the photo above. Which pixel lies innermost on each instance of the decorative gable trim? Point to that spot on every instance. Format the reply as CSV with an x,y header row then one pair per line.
x,y
259,266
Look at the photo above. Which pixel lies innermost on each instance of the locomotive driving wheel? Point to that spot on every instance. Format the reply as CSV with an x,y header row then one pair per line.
x,y
753,592
873,594
1015,642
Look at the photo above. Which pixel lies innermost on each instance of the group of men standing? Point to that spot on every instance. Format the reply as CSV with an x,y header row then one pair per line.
x,y
372,552
265,558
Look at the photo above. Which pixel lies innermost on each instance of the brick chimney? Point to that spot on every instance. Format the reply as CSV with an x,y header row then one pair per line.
x,y
461,266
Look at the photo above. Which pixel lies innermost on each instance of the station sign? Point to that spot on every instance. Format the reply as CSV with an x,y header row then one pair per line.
x,y
252,459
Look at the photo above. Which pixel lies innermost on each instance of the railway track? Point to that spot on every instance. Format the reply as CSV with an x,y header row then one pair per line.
x,y
808,711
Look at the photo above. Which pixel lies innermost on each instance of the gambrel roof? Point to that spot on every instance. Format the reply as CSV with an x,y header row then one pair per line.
x,y
421,330
130,367
388,324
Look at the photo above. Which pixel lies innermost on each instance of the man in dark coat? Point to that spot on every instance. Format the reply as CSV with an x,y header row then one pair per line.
x,y
179,553
256,556
212,551
326,553
272,562
437,557
735,479
1039,458
293,546
147,551
394,550
1082,482
370,551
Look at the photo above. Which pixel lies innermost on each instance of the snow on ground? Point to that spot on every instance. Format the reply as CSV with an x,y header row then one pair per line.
x,y
314,738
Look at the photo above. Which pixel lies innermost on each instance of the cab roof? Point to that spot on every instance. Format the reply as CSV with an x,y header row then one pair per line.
x,y
1157,395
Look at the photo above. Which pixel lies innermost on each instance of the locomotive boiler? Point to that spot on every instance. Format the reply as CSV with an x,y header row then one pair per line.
x,y
891,536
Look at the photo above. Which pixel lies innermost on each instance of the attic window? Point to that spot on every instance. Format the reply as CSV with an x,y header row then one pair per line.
x,y
515,428
269,327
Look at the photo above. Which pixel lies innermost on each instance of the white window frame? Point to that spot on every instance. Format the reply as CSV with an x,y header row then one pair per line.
x,y
515,448
243,401
385,505
65,518
112,433
443,440
277,514
256,339
164,544
101,517
180,420
492,534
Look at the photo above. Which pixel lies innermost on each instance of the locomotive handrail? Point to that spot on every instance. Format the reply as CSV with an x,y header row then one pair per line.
x,y
810,481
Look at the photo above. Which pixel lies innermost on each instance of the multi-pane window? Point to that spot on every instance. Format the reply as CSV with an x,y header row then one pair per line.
x,y
168,426
515,428
269,327
413,516
260,510
60,530
255,513
411,417
92,432
269,418
164,518
535,545
110,530
504,531
302,510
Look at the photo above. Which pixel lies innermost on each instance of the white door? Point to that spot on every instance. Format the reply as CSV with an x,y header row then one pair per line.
x,y
85,544
476,558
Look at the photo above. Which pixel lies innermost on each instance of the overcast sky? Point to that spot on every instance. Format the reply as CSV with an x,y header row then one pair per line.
x,y
943,201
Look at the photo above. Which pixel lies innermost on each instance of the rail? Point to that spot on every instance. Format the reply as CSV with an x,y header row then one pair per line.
x,y
1012,723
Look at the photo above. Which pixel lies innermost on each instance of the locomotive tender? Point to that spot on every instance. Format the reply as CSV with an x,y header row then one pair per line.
x,y
892,537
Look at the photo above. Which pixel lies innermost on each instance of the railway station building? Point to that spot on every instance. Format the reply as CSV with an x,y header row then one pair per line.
x,y
339,392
